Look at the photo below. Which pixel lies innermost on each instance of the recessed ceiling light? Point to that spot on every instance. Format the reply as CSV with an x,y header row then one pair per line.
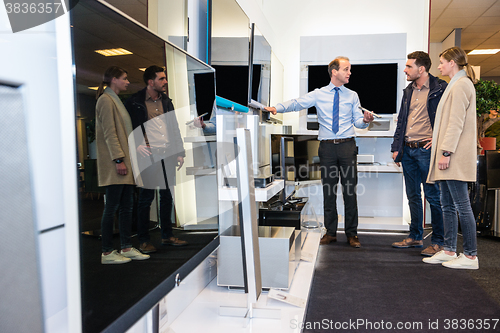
x,y
142,69
113,52
485,51
93,88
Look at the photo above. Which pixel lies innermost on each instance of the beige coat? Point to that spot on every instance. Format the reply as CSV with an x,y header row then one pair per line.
x,y
455,131
112,128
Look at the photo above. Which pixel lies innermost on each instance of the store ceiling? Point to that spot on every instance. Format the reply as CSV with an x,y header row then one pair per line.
x,y
479,20
102,29
480,23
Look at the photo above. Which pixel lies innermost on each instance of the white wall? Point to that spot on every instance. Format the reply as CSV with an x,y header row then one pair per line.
x,y
40,60
277,72
434,50
197,41
170,21
229,20
453,39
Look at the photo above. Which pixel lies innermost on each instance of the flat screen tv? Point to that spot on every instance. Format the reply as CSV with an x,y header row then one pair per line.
x,y
283,163
256,92
231,82
260,75
376,85
204,89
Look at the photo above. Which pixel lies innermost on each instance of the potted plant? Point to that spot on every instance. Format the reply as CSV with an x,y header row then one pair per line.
x,y
487,105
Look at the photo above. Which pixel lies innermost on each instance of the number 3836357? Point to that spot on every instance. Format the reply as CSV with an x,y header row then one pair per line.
x,y
33,8
484,324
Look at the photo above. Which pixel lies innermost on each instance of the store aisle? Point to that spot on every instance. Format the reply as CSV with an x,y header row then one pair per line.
x,y
380,288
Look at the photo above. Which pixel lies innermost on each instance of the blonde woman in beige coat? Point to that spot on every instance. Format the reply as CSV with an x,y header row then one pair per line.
x,y
453,159
113,126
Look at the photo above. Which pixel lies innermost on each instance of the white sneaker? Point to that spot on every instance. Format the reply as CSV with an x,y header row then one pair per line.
x,y
134,254
114,258
439,258
462,262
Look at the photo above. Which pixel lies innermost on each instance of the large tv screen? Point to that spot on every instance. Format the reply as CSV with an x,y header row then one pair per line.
x,y
376,85
204,87
231,82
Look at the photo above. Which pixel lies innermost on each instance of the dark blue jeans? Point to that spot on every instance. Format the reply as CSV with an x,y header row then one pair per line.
x,y
415,163
339,161
146,197
118,198
455,199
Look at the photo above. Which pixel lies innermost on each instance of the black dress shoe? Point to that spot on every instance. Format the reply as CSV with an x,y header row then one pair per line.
x,y
327,239
354,241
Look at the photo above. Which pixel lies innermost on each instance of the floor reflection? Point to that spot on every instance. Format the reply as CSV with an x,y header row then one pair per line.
x,y
108,291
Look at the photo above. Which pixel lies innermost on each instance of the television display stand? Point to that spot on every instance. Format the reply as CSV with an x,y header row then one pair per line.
x,y
279,214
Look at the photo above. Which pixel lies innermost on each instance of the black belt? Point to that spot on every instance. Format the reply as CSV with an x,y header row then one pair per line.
x,y
337,141
416,144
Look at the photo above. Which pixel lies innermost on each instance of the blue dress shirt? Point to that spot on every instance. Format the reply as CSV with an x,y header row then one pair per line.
x,y
350,115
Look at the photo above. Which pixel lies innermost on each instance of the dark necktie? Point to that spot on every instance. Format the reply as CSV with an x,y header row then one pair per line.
x,y
335,116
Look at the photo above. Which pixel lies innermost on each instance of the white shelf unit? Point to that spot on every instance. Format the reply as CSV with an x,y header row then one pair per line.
x,y
200,156
261,194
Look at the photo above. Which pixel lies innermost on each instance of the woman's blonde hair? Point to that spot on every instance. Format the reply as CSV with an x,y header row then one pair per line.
x,y
460,58
109,74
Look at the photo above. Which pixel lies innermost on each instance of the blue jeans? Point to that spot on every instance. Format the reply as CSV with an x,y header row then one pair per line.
x,y
455,199
118,198
415,163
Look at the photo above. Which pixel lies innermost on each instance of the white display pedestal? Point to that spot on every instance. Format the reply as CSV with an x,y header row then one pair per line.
x,y
277,269
201,314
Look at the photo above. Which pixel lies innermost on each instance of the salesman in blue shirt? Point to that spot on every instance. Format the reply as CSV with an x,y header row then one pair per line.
x,y
338,111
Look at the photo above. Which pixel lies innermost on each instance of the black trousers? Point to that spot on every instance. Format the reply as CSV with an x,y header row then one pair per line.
x,y
339,161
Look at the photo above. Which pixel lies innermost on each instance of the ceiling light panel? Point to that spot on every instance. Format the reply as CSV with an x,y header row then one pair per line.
x,y
485,51
113,52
